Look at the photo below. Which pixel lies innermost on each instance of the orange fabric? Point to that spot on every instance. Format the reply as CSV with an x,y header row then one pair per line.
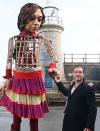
x,y
27,75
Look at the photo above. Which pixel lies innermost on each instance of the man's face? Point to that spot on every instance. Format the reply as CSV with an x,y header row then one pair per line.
x,y
78,74
34,22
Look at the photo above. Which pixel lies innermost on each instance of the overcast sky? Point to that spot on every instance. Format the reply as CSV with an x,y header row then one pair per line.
x,y
81,21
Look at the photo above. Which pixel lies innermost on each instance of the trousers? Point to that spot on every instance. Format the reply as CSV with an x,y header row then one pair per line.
x,y
16,125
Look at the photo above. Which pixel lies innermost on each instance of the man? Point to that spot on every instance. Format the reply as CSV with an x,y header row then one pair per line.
x,y
80,112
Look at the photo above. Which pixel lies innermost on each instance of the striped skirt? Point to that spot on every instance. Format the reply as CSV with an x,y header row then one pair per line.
x,y
26,95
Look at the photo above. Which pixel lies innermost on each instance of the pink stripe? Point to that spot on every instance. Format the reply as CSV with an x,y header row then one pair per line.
x,y
24,92
26,111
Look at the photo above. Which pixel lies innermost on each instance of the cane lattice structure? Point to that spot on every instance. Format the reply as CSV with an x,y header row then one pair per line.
x,y
26,51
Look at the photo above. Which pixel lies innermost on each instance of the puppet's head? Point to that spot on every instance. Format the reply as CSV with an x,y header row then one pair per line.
x,y
26,12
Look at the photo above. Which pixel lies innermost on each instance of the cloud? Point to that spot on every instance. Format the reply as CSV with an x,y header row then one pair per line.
x,y
82,27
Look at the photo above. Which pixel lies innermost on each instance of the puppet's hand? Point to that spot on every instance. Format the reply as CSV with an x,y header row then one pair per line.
x,y
5,86
55,74
87,129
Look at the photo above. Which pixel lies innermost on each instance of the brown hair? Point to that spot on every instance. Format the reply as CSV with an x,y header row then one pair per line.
x,y
25,12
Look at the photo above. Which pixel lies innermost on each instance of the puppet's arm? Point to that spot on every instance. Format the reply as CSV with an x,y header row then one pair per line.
x,y
48,45
9,59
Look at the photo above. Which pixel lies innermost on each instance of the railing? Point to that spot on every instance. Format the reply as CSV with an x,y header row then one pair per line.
x,y
53,20
83,58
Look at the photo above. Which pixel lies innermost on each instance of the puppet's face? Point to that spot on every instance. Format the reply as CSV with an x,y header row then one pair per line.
x,y
34,22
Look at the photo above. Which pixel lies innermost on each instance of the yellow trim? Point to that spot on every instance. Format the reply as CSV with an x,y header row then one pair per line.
x,y
26,98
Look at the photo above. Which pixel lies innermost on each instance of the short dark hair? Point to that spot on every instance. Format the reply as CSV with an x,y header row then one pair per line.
x,y
25,12
77,66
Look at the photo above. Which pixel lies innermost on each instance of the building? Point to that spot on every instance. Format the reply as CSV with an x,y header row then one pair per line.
x,y
52,29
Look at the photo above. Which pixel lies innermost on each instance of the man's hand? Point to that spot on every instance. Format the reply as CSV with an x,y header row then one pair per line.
x,y
87,129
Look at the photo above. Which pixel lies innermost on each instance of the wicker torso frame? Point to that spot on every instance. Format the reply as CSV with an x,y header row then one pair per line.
x,y
26,51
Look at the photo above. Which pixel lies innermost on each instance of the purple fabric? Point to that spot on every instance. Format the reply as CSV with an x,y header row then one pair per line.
x,y
27,86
